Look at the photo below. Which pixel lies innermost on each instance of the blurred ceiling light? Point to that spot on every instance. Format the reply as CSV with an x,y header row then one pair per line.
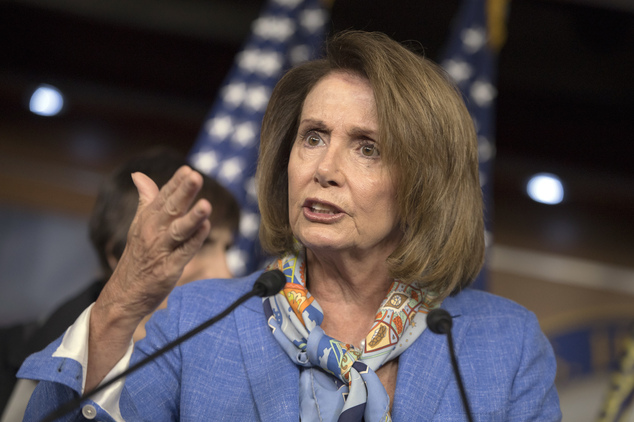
x,y
46,101
545,188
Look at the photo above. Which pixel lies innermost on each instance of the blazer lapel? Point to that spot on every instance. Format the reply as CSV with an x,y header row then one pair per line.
x,y
273,377
424,371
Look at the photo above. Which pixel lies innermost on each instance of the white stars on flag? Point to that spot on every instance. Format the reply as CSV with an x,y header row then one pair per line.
x,y
219,127
263,62
270,63
473,39
313,19
206,162
461,67
486,150
257,97
254,97
459,70
248,59
291,4
230,169
251,190
274,28
471,64
236,260
245,134
299,54
286,33
249,225
483,93
233,94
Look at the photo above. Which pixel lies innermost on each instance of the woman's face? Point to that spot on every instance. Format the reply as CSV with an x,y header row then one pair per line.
x,y
341,194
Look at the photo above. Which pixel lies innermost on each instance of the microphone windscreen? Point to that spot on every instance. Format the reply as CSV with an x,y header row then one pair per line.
x,y
439,321
269,283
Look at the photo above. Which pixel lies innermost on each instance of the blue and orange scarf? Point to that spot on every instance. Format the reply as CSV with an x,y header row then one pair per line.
x,y
337,380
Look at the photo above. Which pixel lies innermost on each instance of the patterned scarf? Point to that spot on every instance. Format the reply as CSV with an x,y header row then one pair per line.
x,y
337,380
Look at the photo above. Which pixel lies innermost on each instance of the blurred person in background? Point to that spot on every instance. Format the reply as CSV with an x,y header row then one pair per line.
x,y
110,220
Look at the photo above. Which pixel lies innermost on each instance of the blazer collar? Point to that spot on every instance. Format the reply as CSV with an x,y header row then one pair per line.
x,y
273,377
424,371
423,375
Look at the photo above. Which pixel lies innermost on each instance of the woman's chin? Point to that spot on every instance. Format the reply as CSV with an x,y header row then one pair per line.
x,y
320,242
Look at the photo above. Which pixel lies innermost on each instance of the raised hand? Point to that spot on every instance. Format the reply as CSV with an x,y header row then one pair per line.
x,y
165,234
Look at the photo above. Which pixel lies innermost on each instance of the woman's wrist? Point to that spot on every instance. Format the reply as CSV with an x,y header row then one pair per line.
x,y
114,317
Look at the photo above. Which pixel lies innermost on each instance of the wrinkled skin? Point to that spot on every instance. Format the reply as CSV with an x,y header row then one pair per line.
x,y
164,236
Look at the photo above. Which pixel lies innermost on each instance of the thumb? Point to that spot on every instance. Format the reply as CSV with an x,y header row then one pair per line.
x,y
146,187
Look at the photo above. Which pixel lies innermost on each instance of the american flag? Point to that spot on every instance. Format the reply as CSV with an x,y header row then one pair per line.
x,y
471,62
286,33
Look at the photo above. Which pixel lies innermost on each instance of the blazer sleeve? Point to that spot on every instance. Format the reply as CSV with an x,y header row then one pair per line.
x,y
60,370
533,395
153,392
155,386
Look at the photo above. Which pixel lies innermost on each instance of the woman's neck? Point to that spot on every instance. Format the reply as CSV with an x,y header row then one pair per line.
x,y
349,293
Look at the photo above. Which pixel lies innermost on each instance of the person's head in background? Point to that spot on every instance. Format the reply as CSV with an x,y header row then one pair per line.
x,y
116,206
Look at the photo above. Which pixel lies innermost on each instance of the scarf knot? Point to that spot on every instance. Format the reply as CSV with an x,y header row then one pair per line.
x,y
335,357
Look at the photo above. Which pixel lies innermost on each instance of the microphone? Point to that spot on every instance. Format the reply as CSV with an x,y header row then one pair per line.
x,y
439,321
267,284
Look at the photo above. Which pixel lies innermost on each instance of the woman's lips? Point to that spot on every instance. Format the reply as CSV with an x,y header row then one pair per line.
x,y
321,212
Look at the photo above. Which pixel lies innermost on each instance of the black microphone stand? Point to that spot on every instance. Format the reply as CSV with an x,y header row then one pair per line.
x,y
440,322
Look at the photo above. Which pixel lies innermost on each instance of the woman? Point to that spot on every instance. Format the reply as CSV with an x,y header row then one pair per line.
x,y
369,194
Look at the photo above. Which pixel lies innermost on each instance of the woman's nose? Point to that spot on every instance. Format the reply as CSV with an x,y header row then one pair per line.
x,y
329,171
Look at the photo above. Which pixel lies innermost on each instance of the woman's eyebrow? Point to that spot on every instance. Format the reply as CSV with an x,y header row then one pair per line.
x,y
313,122
363,132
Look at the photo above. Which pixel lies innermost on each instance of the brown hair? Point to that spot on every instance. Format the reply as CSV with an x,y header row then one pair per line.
x,y
427,139
117,201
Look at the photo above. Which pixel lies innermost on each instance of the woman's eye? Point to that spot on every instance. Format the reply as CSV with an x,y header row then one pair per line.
x,y
369,151
313,140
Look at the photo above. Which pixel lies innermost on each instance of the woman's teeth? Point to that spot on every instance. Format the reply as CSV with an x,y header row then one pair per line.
x,y
322,209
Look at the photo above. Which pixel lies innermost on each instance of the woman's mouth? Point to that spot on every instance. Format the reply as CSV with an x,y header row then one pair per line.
x,y
322,209
322,212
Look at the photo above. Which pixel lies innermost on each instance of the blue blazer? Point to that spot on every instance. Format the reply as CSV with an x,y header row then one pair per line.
x,y
236,371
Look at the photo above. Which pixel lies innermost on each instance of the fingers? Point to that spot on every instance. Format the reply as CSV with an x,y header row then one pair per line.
x,y
173,184
163,219
186,250
186,227
176,196
146,187
177,203
189,232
